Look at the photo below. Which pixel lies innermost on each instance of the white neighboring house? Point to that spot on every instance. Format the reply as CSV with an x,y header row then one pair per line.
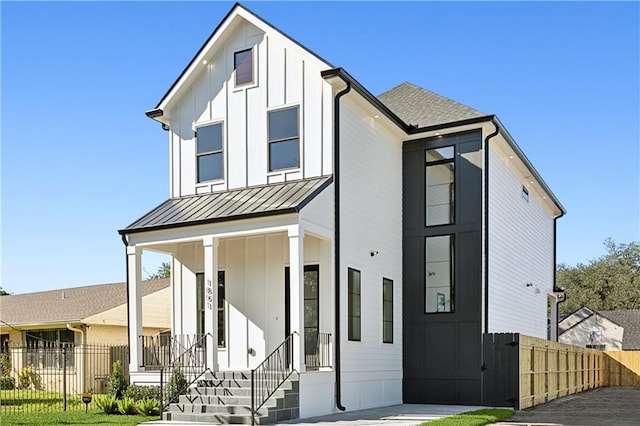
x,y
390,232
606,330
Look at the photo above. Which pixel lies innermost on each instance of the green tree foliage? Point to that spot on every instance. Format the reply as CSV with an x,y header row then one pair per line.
x,y
610,282
117,381
3,292
163,271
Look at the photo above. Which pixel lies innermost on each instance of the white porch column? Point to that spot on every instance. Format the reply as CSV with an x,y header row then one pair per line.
x,y
134,278
296,289
211,300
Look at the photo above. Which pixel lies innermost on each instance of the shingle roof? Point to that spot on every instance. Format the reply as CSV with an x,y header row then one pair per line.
x,y
68,304
630,321
280,198
421,107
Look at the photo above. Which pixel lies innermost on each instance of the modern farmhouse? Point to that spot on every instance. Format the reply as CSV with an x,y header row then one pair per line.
x,y
368,242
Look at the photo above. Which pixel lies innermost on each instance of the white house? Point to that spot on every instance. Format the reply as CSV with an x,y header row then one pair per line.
x,y
390,232
607,330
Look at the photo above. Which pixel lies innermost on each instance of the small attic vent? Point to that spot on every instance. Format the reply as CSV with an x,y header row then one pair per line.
x,y
63,296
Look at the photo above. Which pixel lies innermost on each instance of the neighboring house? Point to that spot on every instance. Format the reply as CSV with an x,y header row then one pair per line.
x,y
606,330
87,322
392,231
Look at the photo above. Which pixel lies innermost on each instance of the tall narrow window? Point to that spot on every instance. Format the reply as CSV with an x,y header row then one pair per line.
x,y
200,307
353,280
440,207
311,309
439,289
243,65
284,138
209,152
387,310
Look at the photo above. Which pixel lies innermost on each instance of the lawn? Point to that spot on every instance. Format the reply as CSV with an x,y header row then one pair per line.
x,y
473,418
21,400
94,417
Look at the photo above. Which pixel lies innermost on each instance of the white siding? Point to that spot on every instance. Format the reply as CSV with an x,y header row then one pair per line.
x,y
521,263
285,75
582,334
371,220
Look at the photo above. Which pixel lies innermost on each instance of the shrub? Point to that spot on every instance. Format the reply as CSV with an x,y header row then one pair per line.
x,y
108,404
177,383
7,383
127,406
28,378
148,407
138,393
117,382
5,364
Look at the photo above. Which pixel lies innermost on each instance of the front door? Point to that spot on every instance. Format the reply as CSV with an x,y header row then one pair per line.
x,y
311,307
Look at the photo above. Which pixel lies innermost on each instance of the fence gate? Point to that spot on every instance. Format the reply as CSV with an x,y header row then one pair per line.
x,y
500,370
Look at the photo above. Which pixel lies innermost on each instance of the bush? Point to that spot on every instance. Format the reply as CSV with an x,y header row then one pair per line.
x,y
108,404
148,407
5,365
7,383
28,378
139,393
127,406
177,383
117,382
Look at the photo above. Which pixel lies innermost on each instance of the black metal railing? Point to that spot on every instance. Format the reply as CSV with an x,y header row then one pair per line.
x,y
165,349
317,350
267,377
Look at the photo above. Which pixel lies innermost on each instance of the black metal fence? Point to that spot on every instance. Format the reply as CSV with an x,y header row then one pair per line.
x,y
318,350
53,376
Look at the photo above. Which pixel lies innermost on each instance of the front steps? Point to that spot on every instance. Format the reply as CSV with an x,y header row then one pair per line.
x,y
225,398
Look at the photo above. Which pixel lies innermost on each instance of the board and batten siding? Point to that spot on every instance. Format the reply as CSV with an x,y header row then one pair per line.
x,y
520,251
371,220
285,75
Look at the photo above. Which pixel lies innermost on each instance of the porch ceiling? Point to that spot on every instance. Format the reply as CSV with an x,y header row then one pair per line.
x,y
265,200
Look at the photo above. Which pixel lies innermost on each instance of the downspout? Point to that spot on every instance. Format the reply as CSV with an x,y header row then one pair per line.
x,y
336,189
84,354
555,274
126,262
486,225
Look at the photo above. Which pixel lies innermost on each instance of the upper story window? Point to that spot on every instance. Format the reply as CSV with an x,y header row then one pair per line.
x,y
525,193
440,186
209,152
284,139
439,282
243,65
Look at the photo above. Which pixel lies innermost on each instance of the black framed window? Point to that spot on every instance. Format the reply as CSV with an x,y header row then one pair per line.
x,y
284,139
387,310
209,152
311,308
200,307
353,302
243,65
49,348
439,263
440,186
525,193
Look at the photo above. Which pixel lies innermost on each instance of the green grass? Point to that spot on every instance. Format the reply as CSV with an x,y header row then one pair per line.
x,y
20,400
473,418
72,418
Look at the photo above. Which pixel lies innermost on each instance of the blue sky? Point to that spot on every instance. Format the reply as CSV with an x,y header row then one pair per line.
x,y
80,160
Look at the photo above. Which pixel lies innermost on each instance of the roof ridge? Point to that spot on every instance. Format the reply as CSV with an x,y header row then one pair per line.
x,y
82,287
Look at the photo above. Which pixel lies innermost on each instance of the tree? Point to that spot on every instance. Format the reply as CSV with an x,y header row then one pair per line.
x,y
3,292
163,271
610,282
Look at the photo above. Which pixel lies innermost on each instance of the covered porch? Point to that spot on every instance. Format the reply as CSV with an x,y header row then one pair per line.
x,y
241,284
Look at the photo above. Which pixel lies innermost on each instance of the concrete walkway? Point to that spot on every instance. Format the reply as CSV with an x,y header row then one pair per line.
x,y
615,406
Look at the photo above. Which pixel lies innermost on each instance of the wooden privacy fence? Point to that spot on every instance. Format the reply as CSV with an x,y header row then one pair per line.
x,y
524,371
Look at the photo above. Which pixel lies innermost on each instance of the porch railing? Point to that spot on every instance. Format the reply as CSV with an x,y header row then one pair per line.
x,y
267,377
318,350
164,349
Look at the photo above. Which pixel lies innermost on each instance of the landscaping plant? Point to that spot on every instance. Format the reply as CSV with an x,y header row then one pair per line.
x,y
127,406
117,381
139,392
28,378
107,403
148,407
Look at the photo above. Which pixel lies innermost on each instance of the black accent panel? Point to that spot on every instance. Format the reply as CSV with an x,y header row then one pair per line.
x,y
442,351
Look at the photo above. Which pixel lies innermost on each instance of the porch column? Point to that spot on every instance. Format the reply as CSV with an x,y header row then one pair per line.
x,y
296,289
134,278
211,300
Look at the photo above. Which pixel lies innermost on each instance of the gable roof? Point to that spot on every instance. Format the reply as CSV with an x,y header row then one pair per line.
x,y
423,108
254,201
68,304
630,321
574,319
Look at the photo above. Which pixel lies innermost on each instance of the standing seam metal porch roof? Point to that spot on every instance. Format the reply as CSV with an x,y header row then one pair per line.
x,y
265,200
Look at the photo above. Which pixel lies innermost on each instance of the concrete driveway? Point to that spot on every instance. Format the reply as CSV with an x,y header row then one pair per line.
x,y
615,406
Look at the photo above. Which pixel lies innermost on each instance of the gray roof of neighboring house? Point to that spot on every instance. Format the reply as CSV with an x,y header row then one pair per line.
x,y
423,108
574,318
264,200
630,321
68,304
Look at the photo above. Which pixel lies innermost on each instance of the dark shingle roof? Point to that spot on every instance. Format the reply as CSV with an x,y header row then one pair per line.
x,y
630,321
421,107
68,304
280,198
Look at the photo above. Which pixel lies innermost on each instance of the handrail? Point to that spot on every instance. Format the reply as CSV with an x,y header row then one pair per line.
x,y
270,374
